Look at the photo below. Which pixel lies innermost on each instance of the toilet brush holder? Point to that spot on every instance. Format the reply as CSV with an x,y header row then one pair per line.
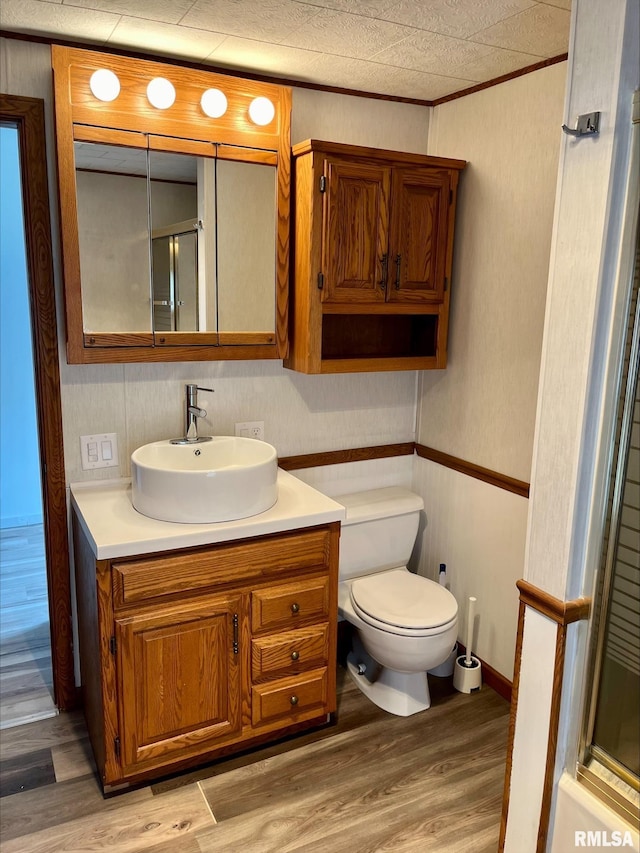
x,y
467,674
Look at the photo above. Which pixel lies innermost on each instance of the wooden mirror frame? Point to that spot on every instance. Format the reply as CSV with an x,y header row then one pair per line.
x,y
181,128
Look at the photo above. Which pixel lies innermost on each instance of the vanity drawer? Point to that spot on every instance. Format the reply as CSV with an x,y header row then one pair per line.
x,y
289,605
249,560
299,698
291,652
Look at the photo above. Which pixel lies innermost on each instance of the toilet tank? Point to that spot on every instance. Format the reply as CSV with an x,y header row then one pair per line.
x,y
379,530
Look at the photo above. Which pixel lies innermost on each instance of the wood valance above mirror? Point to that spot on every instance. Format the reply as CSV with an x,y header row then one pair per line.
x,y
202,272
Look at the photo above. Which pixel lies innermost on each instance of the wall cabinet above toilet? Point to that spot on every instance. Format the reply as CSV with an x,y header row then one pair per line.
x,y
372,250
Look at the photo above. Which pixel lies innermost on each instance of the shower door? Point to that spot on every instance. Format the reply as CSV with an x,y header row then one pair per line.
x,y
175,282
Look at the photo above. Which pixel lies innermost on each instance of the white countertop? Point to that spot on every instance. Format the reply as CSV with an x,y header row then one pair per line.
x,y
115,529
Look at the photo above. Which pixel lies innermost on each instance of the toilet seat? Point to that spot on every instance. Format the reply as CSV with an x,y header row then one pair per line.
x,y
402,603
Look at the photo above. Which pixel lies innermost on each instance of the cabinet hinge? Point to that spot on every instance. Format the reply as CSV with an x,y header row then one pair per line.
x,y
112,645
446,285
323,184
450,196
320,280
236,646
116,746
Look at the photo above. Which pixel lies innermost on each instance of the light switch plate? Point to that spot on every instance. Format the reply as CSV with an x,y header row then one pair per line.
x,y
99,451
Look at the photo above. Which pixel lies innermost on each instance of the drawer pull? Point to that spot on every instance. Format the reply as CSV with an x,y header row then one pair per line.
x,y
295,655
295,608
294,700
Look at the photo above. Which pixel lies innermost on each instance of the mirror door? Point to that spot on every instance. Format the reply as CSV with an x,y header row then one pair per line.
x,y
113,238
177,248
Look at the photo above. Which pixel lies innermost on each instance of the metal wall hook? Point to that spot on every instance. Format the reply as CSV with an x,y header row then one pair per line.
x,y
587,125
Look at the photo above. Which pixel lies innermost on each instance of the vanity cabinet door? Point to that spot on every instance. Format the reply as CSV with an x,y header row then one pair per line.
x,y
179,680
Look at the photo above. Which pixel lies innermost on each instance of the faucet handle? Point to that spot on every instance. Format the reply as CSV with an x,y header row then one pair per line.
x,y
192,388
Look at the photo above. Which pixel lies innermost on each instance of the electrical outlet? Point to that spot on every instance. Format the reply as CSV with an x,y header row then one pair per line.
x,y
99,451
251,429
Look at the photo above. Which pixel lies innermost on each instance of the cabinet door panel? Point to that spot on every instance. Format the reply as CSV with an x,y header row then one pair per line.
x,y
419,219
355,232
179,673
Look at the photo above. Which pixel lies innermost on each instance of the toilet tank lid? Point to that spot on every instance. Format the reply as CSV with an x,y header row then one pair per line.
x,y
379,503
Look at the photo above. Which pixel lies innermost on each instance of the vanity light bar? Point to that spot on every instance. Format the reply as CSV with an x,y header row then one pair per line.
x,y
161,94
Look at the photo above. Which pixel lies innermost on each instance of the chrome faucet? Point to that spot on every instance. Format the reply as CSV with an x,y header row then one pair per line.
x,y
192,413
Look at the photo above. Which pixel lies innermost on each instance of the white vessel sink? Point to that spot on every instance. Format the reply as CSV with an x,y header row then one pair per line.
x,y
219,480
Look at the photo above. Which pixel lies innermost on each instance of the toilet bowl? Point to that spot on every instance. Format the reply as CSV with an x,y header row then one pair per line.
x,y
404,624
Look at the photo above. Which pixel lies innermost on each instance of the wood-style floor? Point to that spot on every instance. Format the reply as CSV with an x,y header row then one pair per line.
x,y
26,684
370,782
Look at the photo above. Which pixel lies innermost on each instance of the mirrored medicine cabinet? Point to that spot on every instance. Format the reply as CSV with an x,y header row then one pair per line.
x,y
174,224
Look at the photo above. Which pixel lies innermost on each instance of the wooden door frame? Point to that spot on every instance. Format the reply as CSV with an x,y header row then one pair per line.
x,y
27,114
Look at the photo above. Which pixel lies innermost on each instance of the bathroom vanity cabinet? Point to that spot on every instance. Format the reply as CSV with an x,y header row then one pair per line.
x,y
372,248
194,653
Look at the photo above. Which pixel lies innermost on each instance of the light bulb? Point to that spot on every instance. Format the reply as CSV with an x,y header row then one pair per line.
x,y
161,93
104,85
213,103
261,111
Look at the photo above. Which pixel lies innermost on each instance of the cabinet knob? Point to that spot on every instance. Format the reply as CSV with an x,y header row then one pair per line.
x,y
295,655
294,700
295,608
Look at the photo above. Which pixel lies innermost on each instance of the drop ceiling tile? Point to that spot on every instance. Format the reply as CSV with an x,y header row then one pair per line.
x,y
542,31
496,63
261,57
168,11
344,34
432,53
360,75
262,20
421,86
164,39
31,16
561,4
368,8
460,18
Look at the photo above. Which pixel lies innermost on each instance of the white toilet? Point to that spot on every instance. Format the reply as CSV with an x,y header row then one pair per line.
x,y
405,624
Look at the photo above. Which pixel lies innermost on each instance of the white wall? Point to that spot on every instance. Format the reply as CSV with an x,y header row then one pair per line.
x,y
301,413
479,532
482,407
